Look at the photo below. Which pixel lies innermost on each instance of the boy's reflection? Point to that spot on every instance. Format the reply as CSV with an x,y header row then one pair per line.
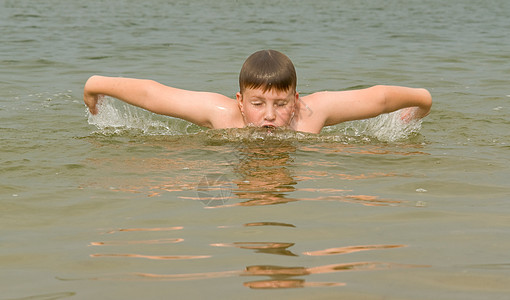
x,y
264,177
283,276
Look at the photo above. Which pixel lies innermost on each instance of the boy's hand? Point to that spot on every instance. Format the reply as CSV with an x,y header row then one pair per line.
x,y
91,100
412,113
407,114
90,97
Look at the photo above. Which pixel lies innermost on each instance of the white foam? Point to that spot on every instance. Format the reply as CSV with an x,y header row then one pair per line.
x,y
386,128
116,117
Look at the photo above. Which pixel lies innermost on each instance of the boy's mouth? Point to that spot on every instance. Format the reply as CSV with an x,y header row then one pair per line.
x,y
269,128
268,125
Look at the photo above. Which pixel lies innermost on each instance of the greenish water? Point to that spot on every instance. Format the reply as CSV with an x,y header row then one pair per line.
x,y
130,205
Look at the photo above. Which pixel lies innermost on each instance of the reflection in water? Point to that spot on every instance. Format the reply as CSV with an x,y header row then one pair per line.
x,y
365,200
279,276
158,257
146,242
149,176
264,176
148,229
287,284
262,165
281,248
261,247
268,224
350,249
371,149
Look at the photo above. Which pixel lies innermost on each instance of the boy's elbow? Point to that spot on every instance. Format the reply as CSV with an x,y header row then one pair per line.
x,y
422,102
428,103
429,97
426,99
404,96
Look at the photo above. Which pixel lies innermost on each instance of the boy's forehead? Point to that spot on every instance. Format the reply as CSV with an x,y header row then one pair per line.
x,y
260,92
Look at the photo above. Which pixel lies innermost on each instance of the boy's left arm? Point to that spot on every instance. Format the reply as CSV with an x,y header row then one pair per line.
x,y
338,107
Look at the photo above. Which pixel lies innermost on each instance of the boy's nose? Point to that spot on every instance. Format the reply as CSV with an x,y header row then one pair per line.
x,y
270,114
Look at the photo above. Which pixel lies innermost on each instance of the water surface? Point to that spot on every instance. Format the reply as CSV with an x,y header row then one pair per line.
x,y
132,205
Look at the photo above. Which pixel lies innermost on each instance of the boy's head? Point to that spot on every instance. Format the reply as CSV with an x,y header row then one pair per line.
x,y
268,70
267,94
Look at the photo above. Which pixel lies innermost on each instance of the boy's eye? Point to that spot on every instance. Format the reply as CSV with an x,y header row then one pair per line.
x,y
256,103
281,103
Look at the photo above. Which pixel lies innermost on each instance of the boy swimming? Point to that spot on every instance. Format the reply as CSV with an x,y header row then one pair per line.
x,y
267,97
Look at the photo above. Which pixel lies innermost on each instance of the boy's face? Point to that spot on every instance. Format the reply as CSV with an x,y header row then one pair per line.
x,y
267,109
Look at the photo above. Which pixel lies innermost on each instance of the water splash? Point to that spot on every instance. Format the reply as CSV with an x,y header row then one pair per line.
x,y
117,118
385,128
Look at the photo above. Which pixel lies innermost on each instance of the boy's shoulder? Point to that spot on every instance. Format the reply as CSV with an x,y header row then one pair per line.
x,y
224,112
310,117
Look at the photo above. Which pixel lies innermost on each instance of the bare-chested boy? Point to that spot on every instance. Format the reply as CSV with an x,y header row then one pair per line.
x,y
267,97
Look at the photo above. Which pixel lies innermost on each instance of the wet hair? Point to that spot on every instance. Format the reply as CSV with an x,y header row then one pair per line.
x,y
268,69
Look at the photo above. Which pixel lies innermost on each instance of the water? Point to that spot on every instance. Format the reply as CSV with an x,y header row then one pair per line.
x,y
131,205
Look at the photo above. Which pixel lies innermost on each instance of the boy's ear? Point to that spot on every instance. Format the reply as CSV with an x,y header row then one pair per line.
x,y
239,98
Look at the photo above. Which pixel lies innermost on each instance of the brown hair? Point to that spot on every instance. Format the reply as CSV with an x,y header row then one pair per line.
x,y
268,69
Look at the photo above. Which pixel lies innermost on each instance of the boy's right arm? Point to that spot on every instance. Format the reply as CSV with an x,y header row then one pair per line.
x,y
200,108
